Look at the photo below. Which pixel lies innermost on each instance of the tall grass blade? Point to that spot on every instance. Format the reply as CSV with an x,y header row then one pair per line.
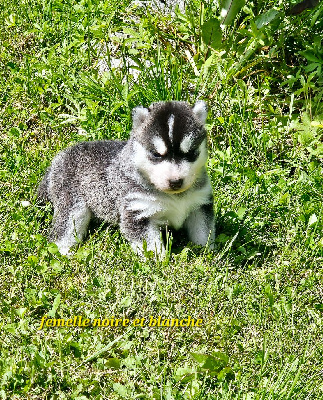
x,y
230,9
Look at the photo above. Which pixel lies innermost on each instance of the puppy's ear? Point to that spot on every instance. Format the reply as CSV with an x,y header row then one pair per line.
x,y
139,115
200,111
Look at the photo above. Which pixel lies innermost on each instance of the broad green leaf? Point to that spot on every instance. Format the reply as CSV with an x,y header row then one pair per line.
x,y
32,260
56,265
21,311
12,328
310,56
318,151
83,254
200,358
212,34
213,363
121,390
56,302
125,302
222,238
266,18
221,358
230,9
226,373
184,374
241,212
52,248
113,363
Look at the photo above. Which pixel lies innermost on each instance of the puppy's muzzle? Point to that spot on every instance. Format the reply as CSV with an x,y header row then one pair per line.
x,y
176,184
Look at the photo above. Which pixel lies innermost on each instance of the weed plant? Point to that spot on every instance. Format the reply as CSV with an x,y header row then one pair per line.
x,y
259,294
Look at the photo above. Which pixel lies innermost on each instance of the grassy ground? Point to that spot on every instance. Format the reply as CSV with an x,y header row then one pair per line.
x,y
259,295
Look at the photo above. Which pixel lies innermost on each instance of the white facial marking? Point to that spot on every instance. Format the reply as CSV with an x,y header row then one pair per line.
x,y
171,126
159,145
186,143
161,173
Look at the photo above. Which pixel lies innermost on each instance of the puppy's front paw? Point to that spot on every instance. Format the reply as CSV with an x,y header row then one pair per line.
x,y
64,248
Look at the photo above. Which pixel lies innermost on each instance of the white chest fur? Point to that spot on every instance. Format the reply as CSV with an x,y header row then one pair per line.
x,y
166,208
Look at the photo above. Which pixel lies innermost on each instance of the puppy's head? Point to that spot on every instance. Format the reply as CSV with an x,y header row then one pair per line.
x,y
169,141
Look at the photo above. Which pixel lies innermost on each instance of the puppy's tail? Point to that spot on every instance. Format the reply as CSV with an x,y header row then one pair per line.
x,y
42,192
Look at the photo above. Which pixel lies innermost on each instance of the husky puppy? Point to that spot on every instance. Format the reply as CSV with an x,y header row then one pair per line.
x,y
154,179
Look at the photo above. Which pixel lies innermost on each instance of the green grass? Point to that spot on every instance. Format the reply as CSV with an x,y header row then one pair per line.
x,y
259,294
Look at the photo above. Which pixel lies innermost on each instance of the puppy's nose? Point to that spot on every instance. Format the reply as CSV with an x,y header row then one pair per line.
x,y
175,184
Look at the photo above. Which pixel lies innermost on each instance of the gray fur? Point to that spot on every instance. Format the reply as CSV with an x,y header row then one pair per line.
x,y
124,183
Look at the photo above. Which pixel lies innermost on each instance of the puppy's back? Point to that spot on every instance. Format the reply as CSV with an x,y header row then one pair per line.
x,y
83,161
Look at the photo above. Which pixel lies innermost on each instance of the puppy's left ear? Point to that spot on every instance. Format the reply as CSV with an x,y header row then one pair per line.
x,y
200,111
139,115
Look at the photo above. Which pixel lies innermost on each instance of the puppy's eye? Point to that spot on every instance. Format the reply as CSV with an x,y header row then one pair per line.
x,y
192,155
156,155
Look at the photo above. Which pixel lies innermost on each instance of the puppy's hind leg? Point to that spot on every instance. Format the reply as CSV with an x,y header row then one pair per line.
x,y
70,225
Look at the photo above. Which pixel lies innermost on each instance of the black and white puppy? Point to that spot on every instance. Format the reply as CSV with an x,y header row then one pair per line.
x,y
157,178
